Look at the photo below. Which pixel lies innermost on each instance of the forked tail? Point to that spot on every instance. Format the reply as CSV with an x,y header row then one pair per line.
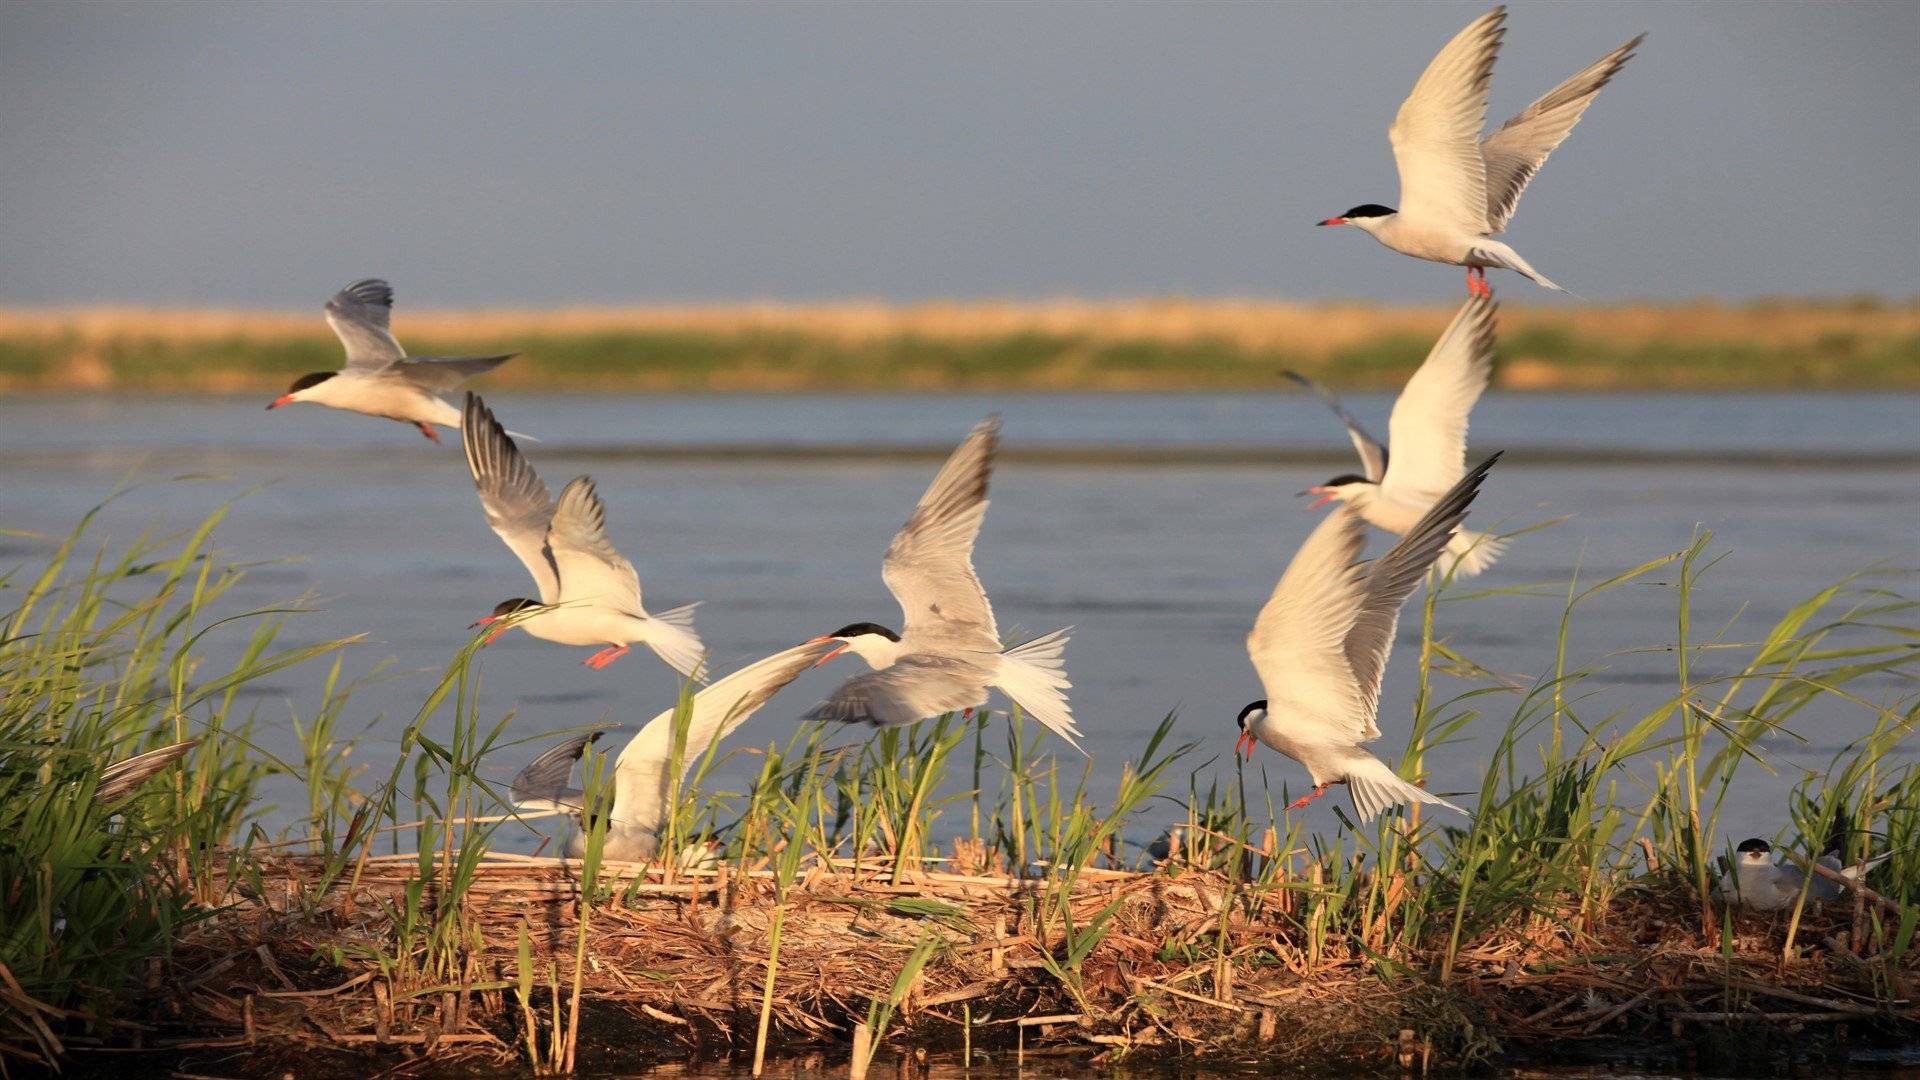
x,y
1469,553
1495,253
1034,675
672,637
1375,787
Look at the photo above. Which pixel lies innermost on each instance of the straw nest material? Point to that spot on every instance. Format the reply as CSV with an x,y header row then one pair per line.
x,y
1184,963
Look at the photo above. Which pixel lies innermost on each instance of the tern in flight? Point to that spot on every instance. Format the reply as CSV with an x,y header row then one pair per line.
x,y
380,379
1458,190
1757,884
643,773
948,652
589,592
1320,647
1428,429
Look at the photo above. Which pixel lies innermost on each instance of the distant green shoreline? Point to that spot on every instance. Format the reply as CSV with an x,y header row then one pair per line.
x,y
1199,346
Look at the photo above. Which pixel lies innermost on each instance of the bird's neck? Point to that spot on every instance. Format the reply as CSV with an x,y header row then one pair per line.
x,y
878,652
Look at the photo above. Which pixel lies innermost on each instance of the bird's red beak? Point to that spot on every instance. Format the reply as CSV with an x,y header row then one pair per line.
x,y
1334,221
830,655
1326,494
489,621
283,399
1243,746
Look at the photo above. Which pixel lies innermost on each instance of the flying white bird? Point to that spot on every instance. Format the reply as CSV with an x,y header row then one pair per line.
x,y
948,652
380,379
1428,428
589,592
1320,647
1458,190
1757,884
643,773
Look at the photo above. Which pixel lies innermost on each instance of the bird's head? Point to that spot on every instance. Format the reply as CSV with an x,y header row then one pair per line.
x,y
1755,852
1255,712
301,388
502,610
874,643
1366,216
1347,487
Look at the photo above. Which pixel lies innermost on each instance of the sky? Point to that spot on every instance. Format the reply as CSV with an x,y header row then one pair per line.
x,y
552,154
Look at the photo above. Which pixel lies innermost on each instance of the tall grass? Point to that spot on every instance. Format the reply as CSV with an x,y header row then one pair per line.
x,y
1582,805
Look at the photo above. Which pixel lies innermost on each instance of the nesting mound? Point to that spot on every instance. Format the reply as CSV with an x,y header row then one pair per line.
x,y
1180,961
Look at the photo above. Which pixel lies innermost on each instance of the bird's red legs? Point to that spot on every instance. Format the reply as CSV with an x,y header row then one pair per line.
x,y
1477,281
427,430
605,656
1301,802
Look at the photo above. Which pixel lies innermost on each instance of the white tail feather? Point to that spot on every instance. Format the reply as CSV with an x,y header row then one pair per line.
x,y
1034,675
1469,553
1375,787
1495,253
672,637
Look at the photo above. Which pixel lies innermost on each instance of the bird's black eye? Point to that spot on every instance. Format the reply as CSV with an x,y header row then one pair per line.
x,y
1246,714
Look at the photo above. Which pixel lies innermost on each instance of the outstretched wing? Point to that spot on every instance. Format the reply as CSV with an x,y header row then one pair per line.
x,y
1436,134
1298,640
516,502
641,774
1392,577
929,565
543,784
1428,427
442,373
359,315
1516,151
591,568
1373,453
912,689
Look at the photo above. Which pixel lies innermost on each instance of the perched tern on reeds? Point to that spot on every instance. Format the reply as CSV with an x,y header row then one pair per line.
x,y
589,592
1458,190
948,652
643,774
1428,428
1757,884
1320,647
380,379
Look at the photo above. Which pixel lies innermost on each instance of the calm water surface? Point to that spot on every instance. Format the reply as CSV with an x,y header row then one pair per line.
x,y
1160,566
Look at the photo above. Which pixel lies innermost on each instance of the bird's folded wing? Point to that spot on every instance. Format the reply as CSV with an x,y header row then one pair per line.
x,y
443,373
1516,151
1392,577
1298,640
1436,134
914,688
929,565
1428,429
642,772
359,314
516,502
591,569
1373,453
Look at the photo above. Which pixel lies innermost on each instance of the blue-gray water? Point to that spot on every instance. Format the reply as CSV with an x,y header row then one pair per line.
x,y
1160,566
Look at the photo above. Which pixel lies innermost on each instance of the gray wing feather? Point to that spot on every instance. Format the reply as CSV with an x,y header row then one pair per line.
x,y
1373,452
929,565
359,314
1392,578
542,785
516,502
118,780
590,567
914,688
443,373
1515,152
